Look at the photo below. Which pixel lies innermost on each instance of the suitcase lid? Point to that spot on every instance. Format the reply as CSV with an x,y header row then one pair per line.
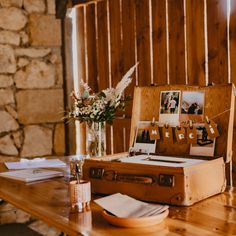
x,y
219,107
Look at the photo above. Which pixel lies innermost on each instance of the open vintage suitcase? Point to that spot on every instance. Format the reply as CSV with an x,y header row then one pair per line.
x,y
180,184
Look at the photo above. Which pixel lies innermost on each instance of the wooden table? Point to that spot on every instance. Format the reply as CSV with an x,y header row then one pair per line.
x,y
49,201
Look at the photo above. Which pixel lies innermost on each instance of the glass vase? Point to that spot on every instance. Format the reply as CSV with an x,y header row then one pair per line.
x,y
95,139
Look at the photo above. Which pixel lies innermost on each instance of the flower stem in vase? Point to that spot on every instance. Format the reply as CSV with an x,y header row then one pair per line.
x,y
95,139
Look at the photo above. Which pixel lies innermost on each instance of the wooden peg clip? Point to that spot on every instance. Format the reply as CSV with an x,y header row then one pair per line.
x,y
153,121
190,124
154,130
167,134
180,134
191,133
211,128
207,120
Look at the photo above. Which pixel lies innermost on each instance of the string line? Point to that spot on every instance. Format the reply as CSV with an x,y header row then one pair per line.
x,y
213,117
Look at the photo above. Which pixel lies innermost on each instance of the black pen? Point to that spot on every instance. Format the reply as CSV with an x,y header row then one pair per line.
x,y
77,170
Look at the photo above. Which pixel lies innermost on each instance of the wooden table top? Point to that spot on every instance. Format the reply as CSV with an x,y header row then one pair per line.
x,y
49,201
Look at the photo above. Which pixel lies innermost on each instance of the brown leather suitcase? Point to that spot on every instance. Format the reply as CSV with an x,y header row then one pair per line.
x,y
178,185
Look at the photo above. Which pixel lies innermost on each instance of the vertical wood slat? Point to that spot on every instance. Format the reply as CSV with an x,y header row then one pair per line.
x,y
91,47
128,28
81,43
115,42
233,49
233,42
143,42
176,41
233,71
116,63
70,127
102,34
81,53
121,143
217,41
195,42
159,42
103,59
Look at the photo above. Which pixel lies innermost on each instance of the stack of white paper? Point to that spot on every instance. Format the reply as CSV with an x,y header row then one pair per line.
x,y
35,163
30,175
124,206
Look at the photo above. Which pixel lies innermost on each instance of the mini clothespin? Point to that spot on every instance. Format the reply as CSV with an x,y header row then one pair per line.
x,y
191,133
153,121
167,133
190,124
180,134
78,172
211,128
154,130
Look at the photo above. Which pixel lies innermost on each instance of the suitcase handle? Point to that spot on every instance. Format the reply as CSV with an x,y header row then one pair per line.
x,y
114,176
110,175
134,179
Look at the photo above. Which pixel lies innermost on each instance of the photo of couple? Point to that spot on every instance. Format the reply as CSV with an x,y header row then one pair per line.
x,y
192,103
169,102
177,107
143,136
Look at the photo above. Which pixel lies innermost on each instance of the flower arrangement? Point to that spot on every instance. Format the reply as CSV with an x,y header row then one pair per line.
x,y
102,106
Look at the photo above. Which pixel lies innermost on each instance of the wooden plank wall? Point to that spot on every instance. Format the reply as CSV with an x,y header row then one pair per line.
x,y
175,41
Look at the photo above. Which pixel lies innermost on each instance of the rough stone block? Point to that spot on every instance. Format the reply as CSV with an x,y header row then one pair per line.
x,y
59,75
11,111
24,38
34,6
38,141
32,52
7,146
56,59
59,139
37,74
9,37
6,81
11,3
39,106
8,123
22,62
7,59
12,18
6,97
45,30
51,7
18,138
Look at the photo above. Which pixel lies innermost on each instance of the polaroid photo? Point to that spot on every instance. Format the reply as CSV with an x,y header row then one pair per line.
x,y
192,106
169,107
205,146
142,142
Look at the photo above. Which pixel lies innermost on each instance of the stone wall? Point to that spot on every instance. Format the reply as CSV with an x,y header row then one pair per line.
x,y
31,89
31,81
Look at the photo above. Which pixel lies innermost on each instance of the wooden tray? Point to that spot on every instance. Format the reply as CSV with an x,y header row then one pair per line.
x,y
135,222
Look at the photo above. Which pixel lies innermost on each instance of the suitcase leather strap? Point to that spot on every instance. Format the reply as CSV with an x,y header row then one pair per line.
x,y
122,177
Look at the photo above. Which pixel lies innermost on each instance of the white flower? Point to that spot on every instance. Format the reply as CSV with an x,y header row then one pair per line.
x,y
91,107
126,80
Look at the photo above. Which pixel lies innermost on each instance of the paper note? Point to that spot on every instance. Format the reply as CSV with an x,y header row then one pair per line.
x,y
31,175
29,164
122,205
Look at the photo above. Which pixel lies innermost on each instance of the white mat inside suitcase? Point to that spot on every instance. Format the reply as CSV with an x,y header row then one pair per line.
x,y
161,160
